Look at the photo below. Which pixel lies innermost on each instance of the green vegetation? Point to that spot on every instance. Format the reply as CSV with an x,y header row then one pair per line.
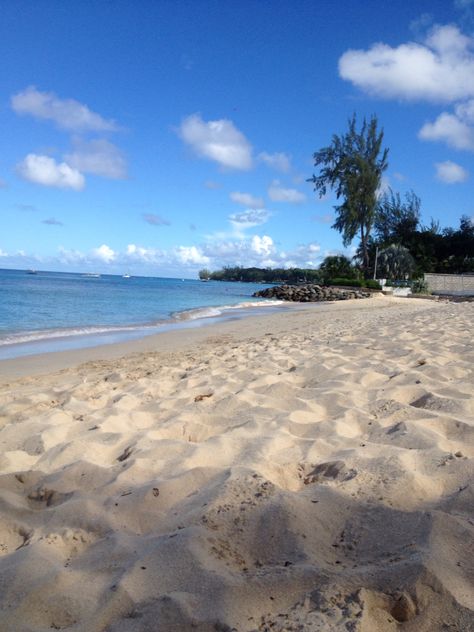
x,y
204,274
267,275
395,262
352,166
420,286
338,266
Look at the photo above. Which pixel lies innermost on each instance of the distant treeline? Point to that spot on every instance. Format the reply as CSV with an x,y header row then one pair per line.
x,y
262,275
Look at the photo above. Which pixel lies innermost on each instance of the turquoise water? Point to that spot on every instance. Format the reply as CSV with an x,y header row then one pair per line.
x,y
50,311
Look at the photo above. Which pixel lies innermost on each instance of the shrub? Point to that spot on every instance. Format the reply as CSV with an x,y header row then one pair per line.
x,y
420,286
343,281
372,284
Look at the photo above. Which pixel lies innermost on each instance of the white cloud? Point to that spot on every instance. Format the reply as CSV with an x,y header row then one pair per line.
x,y
247,199
450,172
142,254
278,194
191,255
263,245
441,69
104,253
98,156
279,161
453,129
249,219
68,257
3,253
47,172
219,141
68,114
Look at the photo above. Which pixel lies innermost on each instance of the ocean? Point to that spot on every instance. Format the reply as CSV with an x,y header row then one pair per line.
x,y
53,311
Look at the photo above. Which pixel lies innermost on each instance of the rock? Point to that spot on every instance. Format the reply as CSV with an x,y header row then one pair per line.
x,y
310,292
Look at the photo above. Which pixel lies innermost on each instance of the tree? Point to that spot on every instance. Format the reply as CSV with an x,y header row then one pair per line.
x,y
336,266
204,274
396,221
395,262
353,166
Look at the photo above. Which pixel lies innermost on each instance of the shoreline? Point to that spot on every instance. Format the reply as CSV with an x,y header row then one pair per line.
x,y
181,336
307,469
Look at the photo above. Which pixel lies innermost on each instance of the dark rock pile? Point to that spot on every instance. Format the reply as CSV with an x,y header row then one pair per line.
x,y
309,293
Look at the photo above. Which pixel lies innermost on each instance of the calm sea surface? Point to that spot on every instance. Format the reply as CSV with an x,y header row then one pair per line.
x,y
50,311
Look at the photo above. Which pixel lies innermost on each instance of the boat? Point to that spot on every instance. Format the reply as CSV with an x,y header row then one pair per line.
x,y
91,275
32,271
125,276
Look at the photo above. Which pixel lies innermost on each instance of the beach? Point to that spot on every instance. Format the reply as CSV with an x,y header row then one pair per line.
x,y
310,469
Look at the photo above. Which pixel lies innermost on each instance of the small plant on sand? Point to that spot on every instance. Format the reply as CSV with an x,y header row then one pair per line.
x,y
420,286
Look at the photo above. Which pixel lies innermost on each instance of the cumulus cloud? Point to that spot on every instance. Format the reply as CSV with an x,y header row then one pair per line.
x,y
454,129
46,171
247,199
450,172
279,194
279,161
249,219
104,253
191,255
98,156
219,141
263,245
67,114
440,69
3,253
68,256
155,220
51,221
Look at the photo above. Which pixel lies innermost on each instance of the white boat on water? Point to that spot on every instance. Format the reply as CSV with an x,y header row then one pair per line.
x,y
91,275
125,276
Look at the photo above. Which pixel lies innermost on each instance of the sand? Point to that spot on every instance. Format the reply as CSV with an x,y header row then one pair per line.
x,y
310,470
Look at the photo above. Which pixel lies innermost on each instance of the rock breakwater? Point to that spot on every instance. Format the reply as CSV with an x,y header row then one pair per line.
x,y
310,293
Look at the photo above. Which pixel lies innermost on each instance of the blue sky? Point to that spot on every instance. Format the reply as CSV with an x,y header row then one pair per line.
x,y
162,137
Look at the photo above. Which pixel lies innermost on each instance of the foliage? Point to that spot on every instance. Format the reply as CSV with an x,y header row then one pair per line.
x,y
372,284
345,281
337,266
420,286
395,262
268,275
396,221
353,166
204,274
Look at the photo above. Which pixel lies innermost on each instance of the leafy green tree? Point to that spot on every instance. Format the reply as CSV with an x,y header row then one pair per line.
x,y
396,221
204,274
395,262
336,266
352,166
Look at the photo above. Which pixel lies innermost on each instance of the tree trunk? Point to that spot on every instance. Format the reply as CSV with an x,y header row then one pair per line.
x,y
365,253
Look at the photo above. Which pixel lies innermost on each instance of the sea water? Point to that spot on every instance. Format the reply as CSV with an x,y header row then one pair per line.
x,y
51,311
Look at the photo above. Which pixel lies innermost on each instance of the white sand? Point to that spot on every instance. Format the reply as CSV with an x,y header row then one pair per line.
x,y
310,470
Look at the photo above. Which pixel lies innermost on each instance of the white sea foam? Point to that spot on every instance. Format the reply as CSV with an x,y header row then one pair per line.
x,y
213,312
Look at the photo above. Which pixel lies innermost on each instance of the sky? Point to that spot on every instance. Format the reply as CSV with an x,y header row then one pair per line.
x,y
161,137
